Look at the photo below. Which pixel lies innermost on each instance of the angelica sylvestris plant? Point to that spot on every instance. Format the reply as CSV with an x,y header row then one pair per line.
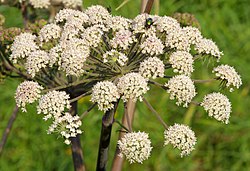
x,y
114,59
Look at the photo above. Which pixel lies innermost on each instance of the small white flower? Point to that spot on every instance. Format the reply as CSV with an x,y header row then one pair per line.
x,y
36,61
63,15
177,39
181,137
152,67
132,86
135,146
93,35
104,94
53,104
115,56
98,14
193,34
207,46
182,88
152,46
54,55
182,62
122,39
40,3
218,106
67,125
22,46
166,24
228,73
72,3
27,92
117,23
48,32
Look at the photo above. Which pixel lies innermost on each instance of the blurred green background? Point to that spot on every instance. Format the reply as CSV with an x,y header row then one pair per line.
x,y
220,147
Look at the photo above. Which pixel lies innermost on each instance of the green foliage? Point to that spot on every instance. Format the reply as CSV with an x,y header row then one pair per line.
x,y
220,147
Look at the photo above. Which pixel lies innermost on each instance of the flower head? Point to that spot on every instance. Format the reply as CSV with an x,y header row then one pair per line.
x,y
117,23
115,56
218,106
40,3
132,86
152,46
63,15
67,125
98,14
104,94
152,67
193,34
36,61
72,3
53,104
22,46
182,88
27,92
135,146
177,39
48,32
167,24
228,74
122,39
207,46
182,62
93,35
181,137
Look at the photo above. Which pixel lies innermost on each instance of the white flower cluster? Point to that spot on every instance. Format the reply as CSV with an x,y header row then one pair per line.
x,y
228,73
47,3
36,61
182,62
72,3
152,46
167,24
67,125
105,93
132,86
26,93
122,39
139,22
98,14
93,35
207,46
53,104
181,137
178,39
193,34
40,3
182,88
152,67
218,106
135,146
48,32
117,23
115,56
22,46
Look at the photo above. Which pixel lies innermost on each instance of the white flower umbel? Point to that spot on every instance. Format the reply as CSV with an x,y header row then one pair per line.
x,y
181,88
166,24
182,62
193,34
218,106
40,3
117,23
152,67
66,125
26,93
177,39
122,39
36,61
98,14
207,46
152,46
93,35
115,56
72,3
22,46
48,32
104,94
132,86
53,104
139,24
63,14
181,137
55,55
73,60
228,74
135,146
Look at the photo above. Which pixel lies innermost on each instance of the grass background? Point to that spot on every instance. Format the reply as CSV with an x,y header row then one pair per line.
x,y
220,147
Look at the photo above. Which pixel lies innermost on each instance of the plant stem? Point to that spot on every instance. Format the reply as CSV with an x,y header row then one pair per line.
x,y
77,154
8,128
107,122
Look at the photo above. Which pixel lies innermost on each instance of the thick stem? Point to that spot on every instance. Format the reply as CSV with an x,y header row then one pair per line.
x,y
8,128
107,122
77,154
128,113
